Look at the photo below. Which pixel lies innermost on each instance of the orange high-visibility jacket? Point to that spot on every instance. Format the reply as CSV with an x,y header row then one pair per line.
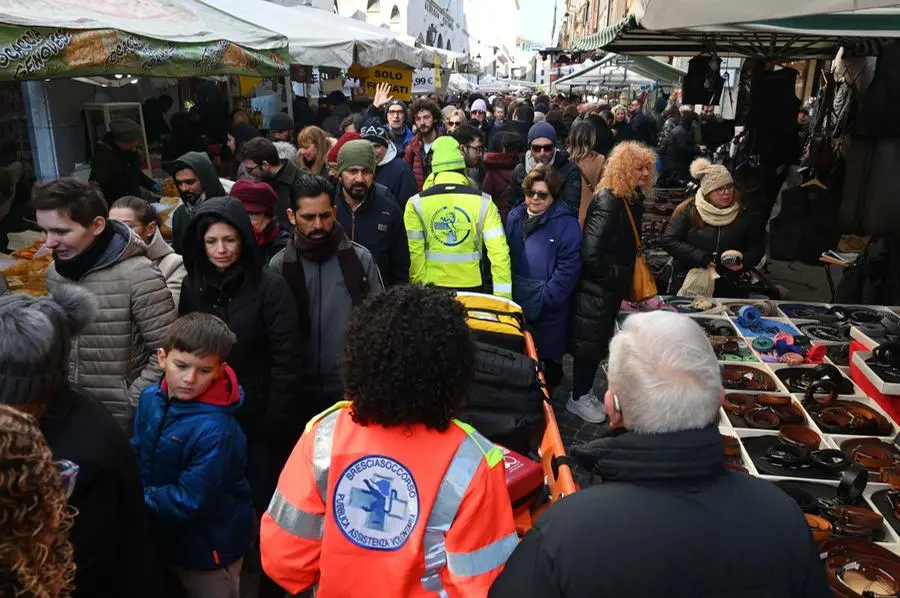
x,y
394,512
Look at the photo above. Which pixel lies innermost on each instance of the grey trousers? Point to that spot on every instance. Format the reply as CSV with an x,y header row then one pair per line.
x,y
221,583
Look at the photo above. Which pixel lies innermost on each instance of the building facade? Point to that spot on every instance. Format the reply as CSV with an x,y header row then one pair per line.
x,y
485,30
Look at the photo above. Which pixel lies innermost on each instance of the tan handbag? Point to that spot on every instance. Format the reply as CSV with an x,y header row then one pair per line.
x,y
643,286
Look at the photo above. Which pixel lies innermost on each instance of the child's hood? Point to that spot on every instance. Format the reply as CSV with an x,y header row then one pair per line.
x,y
223,394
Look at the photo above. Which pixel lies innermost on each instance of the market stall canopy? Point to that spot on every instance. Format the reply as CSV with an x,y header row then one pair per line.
x,y
677,14
618,69
860,32
65,38
320,38
449,58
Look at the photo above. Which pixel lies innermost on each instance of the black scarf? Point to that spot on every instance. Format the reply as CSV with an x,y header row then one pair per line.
x,y
321,250
73,269
530,224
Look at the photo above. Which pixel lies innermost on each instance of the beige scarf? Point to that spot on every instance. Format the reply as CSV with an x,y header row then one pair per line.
x,y
714,216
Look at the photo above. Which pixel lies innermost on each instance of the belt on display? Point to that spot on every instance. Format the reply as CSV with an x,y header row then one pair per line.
x,y
857,568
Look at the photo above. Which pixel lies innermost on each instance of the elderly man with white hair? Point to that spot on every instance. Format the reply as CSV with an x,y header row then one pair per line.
x,y
667,518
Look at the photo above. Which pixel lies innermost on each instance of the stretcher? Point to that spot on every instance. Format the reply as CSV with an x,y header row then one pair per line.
x,y
533,485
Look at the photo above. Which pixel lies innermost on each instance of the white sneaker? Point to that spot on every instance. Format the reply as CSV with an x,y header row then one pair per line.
x,y
588,407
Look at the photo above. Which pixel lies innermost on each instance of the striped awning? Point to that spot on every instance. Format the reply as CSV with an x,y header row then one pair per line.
x,y
814,36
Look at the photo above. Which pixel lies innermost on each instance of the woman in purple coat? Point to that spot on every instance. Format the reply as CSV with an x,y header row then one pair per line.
x,y
545,248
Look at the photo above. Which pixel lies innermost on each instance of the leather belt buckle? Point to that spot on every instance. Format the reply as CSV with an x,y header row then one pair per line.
x,y
800,436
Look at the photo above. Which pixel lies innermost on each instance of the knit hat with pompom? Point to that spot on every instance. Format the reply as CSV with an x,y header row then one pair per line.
x,y
711,176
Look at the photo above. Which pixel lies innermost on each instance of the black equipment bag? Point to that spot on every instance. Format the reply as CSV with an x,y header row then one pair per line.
x,y
506,399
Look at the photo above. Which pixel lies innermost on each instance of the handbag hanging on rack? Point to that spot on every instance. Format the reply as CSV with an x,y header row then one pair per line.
x,y
643,285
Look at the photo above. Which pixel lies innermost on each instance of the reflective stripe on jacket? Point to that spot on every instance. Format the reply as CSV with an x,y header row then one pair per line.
x,y
448,226
370,507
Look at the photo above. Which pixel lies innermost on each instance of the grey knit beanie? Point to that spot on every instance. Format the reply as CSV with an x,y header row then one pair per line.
x,y
35,340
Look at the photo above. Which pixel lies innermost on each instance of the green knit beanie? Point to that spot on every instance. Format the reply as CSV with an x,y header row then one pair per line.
x,y
356,153
446,155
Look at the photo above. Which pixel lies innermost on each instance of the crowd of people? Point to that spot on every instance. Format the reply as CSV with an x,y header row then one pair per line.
x,y
319,289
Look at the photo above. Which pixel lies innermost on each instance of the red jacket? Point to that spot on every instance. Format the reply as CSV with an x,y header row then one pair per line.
x,y
498,172
388,512
418,160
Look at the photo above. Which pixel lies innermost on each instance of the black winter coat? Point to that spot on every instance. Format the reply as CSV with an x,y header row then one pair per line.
x,y
678,151
695,244
258,306
568,173
495,140
112,538
608,252
203,167
378,226
668,520
285,186
118,172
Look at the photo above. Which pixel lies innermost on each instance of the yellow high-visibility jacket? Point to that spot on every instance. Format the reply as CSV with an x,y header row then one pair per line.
x,y
448,224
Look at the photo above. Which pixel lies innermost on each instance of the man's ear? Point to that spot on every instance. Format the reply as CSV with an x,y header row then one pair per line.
x,y
290,216
98,225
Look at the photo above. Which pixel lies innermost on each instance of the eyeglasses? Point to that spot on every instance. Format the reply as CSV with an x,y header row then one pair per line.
x,y
541,195
724,188
396,112
478,112
453,123
258,167
536,149
477,150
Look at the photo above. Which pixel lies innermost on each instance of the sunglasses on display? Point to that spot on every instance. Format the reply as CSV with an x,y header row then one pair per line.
x,y
541,195
542,148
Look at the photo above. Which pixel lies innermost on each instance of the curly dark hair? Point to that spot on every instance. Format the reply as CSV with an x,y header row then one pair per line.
x,y
35,554
423,105
409,358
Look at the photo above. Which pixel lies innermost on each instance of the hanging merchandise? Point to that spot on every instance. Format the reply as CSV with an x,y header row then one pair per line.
x,y
703,83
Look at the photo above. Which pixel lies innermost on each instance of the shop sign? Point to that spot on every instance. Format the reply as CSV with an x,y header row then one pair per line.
x,y
429,80
400,80
42,52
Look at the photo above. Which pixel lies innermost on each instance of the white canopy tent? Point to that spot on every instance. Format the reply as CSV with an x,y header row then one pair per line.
x,y
180,21
676,14
615,70
320,38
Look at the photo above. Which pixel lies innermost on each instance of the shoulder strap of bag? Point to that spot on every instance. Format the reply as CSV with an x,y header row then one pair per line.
x,y
637,235
589,184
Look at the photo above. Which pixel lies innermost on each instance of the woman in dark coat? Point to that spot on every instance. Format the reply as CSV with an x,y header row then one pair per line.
x,y
227,278
545,249
709,224
608,252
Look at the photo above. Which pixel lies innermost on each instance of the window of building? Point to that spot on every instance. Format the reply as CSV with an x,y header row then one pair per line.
x,y
395,19
373,12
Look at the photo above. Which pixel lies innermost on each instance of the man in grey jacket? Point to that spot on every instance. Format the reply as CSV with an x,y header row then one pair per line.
x,y
114,359
328,275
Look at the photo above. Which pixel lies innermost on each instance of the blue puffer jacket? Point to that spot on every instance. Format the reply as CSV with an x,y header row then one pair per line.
x,y
192,457
546,265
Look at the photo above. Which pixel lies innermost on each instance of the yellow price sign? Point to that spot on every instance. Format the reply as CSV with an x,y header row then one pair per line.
x,y
400,80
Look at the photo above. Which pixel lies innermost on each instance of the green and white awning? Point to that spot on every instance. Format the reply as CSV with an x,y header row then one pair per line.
x,y
810,36
618,70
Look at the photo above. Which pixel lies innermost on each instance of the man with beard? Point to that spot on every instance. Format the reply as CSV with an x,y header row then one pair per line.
x,y
418,152
392,171
116,167
281,128
196,180
260,160
642,125
542,150
471,141
329,275
370,213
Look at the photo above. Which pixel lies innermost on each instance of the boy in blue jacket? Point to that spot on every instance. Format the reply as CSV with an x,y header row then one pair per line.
x,y
192,456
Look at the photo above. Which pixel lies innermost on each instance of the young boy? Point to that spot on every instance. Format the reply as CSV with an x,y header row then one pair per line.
x,y
192,456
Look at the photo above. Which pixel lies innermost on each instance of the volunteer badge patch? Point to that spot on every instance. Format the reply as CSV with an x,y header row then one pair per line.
x,y
376,503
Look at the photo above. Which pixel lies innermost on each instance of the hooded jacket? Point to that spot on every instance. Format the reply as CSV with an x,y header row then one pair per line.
x,y
111,535
285,186
203,167
261,313
193,461
170,264
546,264
667,520
330,307
114,358
398,177
498,179
377,225
568,173
117,172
